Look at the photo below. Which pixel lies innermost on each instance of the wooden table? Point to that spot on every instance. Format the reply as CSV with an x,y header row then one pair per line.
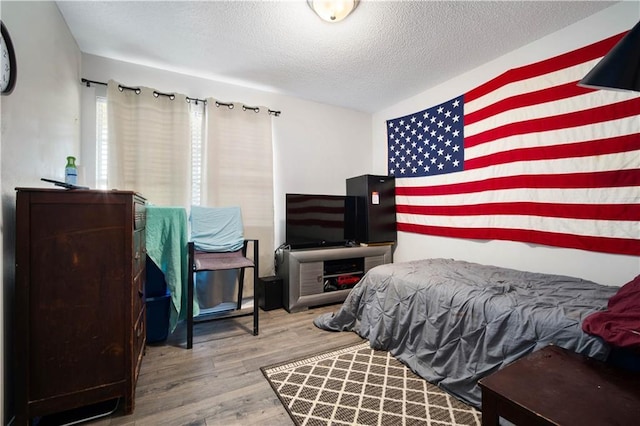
x,y
554,386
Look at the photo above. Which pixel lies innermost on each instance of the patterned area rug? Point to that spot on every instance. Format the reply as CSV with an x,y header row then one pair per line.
x,y
357,385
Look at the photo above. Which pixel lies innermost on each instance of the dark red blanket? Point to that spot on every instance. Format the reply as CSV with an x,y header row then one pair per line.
x,y
619,325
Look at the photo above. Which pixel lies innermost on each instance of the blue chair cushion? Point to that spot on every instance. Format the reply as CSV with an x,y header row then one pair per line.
x,y
216,229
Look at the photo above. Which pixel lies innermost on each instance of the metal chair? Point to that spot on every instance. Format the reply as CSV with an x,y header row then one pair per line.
x,y
217,243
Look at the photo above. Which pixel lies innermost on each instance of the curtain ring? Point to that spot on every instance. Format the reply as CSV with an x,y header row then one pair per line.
x,y
157,94
135,89
229,105
196,100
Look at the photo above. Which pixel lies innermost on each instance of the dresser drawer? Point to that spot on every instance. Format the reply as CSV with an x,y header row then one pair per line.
x,y
139,339
139,215
139,251
138,296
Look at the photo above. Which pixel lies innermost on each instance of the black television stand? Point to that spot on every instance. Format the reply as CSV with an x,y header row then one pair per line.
x,y
313,277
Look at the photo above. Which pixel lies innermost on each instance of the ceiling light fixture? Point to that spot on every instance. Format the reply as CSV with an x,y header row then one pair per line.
x,y
620,68
333,10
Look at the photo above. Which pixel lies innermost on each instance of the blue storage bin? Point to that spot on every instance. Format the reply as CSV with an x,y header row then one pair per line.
x,y
155,285
158,318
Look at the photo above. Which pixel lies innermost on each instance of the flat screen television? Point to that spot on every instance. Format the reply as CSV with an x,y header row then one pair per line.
x,y
319,220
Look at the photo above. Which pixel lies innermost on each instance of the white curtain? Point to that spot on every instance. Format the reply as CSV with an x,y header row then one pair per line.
x,y
149,145
238,170
154,150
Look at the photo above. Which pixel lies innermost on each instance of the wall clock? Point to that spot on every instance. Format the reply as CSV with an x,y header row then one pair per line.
x,y
7,62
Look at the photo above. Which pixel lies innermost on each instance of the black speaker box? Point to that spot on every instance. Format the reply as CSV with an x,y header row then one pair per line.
x,y
270,293
375,208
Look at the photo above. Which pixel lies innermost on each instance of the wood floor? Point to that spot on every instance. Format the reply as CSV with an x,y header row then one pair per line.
x,y
219,381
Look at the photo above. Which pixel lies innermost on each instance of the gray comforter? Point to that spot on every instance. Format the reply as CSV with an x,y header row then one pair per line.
x,y
454,322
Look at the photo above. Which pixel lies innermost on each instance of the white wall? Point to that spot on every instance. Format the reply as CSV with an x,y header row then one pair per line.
x,y
40,128
316,146
602,268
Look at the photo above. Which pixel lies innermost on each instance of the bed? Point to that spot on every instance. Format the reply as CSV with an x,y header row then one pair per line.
x,y
454,322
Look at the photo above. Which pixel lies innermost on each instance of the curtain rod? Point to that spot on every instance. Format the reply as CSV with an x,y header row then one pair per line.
x,y
171,96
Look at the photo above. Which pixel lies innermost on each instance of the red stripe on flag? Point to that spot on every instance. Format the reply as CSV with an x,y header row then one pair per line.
x,y
572,150
623,109
624,246
575,57
564,91
626,212
608,179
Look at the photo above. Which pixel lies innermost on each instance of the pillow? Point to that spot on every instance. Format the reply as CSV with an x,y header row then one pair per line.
x,y
619,324
217,229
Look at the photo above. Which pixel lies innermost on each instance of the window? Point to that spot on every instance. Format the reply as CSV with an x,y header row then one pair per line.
x,y
196,119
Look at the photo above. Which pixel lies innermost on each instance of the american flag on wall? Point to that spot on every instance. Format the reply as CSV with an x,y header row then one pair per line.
x,y
528,156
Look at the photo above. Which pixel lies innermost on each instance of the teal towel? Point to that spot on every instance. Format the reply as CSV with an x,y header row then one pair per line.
x,y
166,240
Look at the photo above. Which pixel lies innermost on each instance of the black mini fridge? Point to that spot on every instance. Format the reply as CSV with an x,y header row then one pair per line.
x,y
375,208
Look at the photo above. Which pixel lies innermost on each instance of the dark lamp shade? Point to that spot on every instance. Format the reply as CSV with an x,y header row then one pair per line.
x,y
620,68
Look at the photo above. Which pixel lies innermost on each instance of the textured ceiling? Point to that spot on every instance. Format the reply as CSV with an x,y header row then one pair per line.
x,y
385,51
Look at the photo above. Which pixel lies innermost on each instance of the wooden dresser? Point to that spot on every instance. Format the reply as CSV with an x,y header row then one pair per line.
x,y
80,311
